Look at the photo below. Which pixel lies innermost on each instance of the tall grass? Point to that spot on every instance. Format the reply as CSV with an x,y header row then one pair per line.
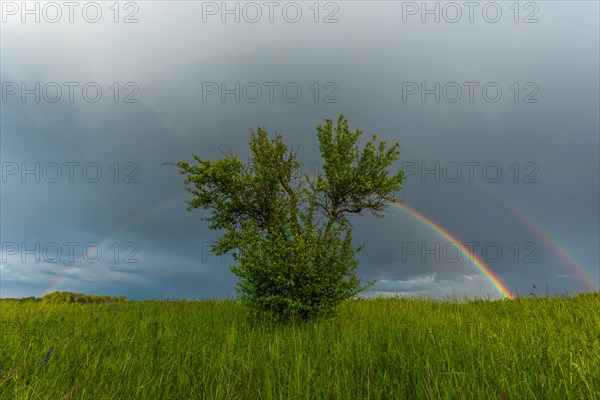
x,y
538,348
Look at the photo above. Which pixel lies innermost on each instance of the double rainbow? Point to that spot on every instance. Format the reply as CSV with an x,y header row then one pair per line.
x,y
485,270
568,260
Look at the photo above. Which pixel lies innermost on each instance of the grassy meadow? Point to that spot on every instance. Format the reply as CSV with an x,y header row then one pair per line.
x,y
534,348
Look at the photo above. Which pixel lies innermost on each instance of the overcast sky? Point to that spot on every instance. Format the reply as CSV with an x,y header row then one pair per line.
x,y
495,107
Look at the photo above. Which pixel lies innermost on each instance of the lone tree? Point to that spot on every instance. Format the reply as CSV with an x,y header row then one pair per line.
x,y
293,237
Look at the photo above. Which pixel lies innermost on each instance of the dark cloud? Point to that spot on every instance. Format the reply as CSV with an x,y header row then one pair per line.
x,y
546,151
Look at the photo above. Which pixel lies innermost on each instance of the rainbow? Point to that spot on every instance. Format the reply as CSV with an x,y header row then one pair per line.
x,y
135,219
582,274
567,259
487,272
498,285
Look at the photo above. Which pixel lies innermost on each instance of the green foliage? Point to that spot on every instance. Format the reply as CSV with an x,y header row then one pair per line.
x,y
81,298
297,280
291,231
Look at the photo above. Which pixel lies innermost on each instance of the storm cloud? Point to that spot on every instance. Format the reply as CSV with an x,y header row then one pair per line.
x,y
495,108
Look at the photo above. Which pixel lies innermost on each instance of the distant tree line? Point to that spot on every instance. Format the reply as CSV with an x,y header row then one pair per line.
x,y
82,298
69,297
21,299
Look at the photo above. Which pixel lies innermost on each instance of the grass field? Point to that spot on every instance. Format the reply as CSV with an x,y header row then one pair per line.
x,y
536,348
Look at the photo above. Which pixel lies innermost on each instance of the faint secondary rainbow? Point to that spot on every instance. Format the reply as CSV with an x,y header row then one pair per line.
x,y
580,271
487,272
583,274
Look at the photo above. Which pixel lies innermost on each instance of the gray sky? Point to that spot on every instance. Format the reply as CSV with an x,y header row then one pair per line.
x,y
495,108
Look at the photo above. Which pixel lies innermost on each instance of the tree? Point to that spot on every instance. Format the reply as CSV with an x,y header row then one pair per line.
x,y
81,298
291,231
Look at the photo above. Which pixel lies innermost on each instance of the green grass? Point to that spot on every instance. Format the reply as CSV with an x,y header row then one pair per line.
x,y
538,348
